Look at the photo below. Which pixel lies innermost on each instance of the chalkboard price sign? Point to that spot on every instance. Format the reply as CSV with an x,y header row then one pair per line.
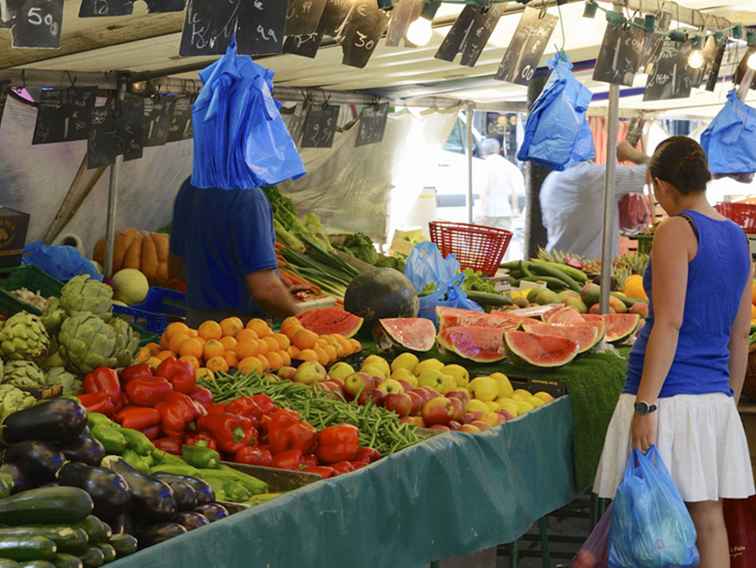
x,y
157,120
458,33
334,17
372,124
102,8
306,45
527,46
262,26
620,55
180,127
38,24
208,26
64,115
3,99
130,127
103,145
303,16
479,34
320,127
670,78
158,6
363,29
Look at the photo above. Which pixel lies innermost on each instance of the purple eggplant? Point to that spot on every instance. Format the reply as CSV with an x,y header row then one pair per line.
x,y
108,489
191,521
84,449
213,511
37,460
183,491
154,534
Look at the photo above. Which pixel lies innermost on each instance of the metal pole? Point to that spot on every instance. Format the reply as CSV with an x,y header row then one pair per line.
x,y
469,149
745,83
610,202
115,170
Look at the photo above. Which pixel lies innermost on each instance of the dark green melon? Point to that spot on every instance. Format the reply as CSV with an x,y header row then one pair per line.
x,y
381,293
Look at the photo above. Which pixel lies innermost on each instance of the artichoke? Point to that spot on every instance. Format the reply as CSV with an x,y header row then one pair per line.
x,y
70,382
23,337
24,374
127,342
12,400
2,370
82,294
53,316
86,343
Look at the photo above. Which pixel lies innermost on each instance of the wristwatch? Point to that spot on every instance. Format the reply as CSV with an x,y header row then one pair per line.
x,y
644,408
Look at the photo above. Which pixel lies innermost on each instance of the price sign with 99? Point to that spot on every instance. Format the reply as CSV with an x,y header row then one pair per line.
x,y
38,24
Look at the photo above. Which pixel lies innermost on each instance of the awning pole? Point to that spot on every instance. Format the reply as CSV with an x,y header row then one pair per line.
x,y
469,149
745,84
610,202
115,171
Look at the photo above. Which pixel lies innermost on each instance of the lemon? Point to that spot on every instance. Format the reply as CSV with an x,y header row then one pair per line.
x,y
407,361
375,360
433,364
503,384
460,374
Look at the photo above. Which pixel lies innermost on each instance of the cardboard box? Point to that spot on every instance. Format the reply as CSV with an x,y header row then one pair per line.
x,y
13,228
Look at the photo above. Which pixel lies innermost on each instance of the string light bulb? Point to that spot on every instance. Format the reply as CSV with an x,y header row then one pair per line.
x,y
751,62
420,32
696,58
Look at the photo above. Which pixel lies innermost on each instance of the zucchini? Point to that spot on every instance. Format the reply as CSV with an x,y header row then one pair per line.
x,y
488,299
93,558
65,538
49,505
97,530
27,547
108,552
8,563
67,561
36,564
546,269
124,544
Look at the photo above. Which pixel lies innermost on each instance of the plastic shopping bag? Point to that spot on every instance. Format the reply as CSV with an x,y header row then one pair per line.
x,y
650,526
740,516
59,261
595,552
730,139
438,280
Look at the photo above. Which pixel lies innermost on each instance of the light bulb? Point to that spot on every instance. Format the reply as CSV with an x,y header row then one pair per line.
x,y
420,32
696,59
752,61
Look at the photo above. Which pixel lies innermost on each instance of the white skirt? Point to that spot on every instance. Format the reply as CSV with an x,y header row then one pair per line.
x,y
701,440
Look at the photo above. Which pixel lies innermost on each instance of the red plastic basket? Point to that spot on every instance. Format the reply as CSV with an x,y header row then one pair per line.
x,y
474,246
744,214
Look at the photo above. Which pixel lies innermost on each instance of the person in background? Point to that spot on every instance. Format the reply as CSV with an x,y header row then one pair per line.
x,y
730,187
223,245
499,204
572,203
686,370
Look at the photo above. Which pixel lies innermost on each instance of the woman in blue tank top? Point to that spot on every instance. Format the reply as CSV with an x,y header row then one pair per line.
x,y
687,367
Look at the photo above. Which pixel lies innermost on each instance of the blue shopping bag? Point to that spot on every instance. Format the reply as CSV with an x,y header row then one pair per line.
x,y
730,139
650,525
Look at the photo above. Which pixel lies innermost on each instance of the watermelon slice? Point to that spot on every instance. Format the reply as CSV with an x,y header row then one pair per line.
x,y
620,327
331,320
586,335
564,316
544,351
413,334
477,343
454,317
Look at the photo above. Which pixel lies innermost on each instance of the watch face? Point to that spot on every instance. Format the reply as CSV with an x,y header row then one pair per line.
x,y
641,408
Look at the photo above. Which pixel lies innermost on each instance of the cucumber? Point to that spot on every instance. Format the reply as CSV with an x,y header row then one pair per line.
x,y
574,273
489,299
93,558
546,269
65,538
8,563
36,564
124,544
67,561
49,505
27,547
108,551
98,530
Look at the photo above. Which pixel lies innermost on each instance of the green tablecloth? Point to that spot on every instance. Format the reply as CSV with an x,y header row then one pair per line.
x,y
453,494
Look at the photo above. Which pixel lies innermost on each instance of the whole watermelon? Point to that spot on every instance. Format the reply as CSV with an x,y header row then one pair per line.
x,y
381,293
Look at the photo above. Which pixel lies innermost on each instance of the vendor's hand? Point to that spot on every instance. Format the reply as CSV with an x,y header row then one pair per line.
x,y
643,431
626,153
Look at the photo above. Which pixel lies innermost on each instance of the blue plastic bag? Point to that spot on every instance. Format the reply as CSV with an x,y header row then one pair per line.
x,y
59,261
650,526
730,139
426,266
240,139
557,133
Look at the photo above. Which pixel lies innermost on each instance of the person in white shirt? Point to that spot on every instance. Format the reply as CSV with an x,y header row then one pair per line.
x,y
730,187
572,203
499,203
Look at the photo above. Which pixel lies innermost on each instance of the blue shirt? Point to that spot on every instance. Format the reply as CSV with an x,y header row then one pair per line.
x,y
222,236
717,277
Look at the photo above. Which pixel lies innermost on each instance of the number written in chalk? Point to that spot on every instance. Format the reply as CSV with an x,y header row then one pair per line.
x,y
39,24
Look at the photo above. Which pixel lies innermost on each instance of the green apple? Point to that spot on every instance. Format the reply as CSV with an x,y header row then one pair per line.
x,y
477,406
449,383
406,361
484,388
459,373
341,371
503,384
523,407
535,401
310,373
432,379
521,394
509,405
544,396
390,386
375,371
428,364
375,360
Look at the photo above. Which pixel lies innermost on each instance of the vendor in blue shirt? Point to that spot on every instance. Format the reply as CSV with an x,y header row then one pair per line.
x,y
223,245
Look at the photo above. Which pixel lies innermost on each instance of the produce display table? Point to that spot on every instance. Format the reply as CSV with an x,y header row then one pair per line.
x,y
451,495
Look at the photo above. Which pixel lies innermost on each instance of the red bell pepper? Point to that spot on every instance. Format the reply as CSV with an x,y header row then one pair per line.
x,y
297,436
148,392
98,402
138,417
231,432
141,371
368,455
254,456
214,408
279,419
265,403
343,467
323,471
176,412
181,374
152,433
202,395
245,406
103,380
291,459
201,439
170,444
310,460
338,443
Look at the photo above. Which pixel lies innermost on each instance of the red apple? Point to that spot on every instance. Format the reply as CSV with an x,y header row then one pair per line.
x,y
287,373
458,409
426,393
357,382
482,426
375,395
505,415
438,411
331,386
462,395
414,420
406,386
400,403
454,425
469,428
417,402
470,417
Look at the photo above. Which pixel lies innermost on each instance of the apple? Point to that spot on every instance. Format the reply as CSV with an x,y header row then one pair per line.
x,y
469,428
417,402
438,411
427,394
484,388
458,409
357,382
390,386
454,425
448,383
414,420
310,373
433,380
441,427
505,415
407,386
470,417
332,386
480,425
287,373
398,402
374,395
476,406
341,370
462,395
491,418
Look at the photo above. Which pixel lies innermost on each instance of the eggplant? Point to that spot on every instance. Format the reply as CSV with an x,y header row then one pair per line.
x,y
213,511
191,521
183,491
19,479
205,493
122,523
84,449
149,497
154,534
39,461
57,420
108,489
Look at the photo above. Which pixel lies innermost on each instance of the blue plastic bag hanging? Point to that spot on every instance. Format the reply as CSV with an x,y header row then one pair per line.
x,y
730,139
240,139
650,526
557,133
438,280
59,261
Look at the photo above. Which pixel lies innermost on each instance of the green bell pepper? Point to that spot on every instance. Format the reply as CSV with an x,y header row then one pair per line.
x,y
110,437
200,456
142,463
137,441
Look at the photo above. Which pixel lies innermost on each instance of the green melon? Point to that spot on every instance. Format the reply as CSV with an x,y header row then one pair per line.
x,y
381,293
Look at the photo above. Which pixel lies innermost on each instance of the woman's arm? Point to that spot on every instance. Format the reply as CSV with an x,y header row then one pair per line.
x,y
674,245
739,342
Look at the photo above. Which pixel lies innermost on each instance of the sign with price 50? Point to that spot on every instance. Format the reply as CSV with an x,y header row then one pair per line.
x,y
38,24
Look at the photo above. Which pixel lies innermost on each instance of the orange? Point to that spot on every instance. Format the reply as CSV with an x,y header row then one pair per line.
x,y
285,358
174,343
345,346
356,345
217,365
231,326
283,341
249,348
213,348
260,327
193,360
229,343
143,355
210,330
275,361
154,362
174,328
163,355
332,340
305,339
294,351
264,361
193,333
290,326
192,347
231,359
322,356
251,365
271,344
205,374
307,355
164,340
246,335
332,352
153,348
